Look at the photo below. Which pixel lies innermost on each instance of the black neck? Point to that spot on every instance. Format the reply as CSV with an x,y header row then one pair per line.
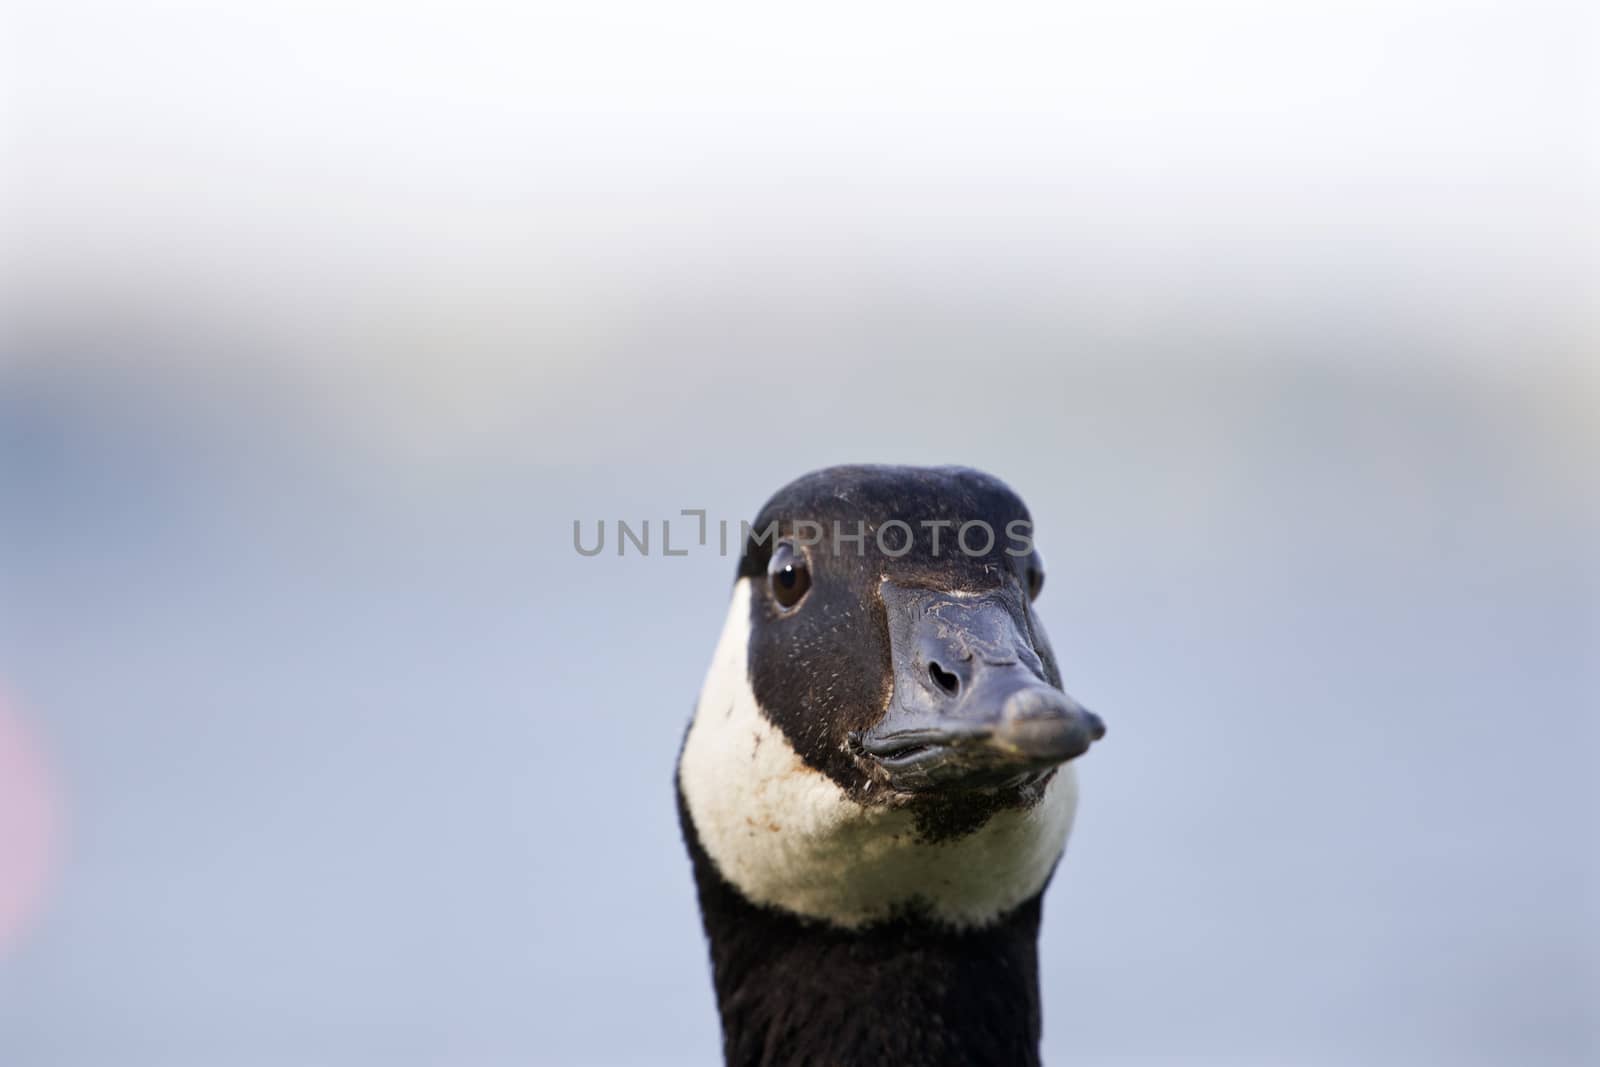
x,y
906,992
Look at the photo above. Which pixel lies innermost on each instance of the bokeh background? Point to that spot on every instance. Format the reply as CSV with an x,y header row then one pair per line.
x,y
319,743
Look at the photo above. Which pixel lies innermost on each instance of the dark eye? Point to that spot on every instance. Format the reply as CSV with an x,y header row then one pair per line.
x,y
1035,576
789,574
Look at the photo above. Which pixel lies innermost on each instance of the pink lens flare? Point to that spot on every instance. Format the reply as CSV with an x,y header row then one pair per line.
x,y
28,827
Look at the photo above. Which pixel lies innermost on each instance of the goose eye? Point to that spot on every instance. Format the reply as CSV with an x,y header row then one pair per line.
x,y
789,574
1035,577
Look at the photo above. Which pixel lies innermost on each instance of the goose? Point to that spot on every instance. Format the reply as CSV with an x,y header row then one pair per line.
x,y
876,786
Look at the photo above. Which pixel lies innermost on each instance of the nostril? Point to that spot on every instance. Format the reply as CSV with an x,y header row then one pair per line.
x,y
943,678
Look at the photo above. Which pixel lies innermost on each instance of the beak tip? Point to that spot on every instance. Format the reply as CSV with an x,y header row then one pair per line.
x,y
1046,724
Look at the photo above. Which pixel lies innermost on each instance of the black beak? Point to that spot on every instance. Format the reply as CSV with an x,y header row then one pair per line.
x,y
971,705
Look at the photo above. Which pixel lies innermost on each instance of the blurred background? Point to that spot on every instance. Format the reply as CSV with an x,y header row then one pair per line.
x,y
320,744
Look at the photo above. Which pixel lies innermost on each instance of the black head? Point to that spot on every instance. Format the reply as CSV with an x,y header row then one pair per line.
x,y
893,639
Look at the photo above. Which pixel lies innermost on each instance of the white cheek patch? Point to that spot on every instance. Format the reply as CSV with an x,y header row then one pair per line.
x,y
787,836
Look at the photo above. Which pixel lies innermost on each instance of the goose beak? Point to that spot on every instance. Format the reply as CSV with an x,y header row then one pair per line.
x,y
971,706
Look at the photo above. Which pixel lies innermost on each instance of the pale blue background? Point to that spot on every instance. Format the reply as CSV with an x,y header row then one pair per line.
x,y
326,336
